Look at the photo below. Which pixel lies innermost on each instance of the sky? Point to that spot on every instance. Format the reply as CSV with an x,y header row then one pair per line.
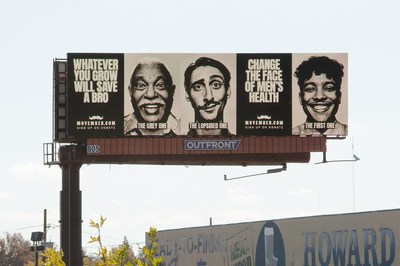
x,y
135,197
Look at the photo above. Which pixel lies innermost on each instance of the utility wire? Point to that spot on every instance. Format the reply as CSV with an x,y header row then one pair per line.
x,y
21,228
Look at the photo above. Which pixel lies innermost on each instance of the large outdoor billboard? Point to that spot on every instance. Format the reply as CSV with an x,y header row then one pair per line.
x,y
370,238
168,94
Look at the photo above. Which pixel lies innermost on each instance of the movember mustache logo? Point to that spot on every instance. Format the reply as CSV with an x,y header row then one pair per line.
x,y
96,117
267,117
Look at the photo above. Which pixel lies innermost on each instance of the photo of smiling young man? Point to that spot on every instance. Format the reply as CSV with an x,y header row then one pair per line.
x,y
322,94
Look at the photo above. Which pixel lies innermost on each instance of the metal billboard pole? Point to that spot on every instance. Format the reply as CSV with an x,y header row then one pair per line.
x,y
71,206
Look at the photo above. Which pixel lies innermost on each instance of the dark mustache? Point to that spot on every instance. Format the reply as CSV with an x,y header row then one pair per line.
x,y
207,103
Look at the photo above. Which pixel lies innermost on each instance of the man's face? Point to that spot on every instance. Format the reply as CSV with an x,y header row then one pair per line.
x,y
319,98
151,95
208,94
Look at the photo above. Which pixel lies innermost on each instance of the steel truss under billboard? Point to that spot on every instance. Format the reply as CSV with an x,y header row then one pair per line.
x,y
168,95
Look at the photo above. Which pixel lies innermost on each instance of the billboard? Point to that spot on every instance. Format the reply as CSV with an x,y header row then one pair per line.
x,y
370,238
168,94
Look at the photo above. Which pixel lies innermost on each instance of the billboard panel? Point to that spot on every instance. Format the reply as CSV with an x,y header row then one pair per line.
x,y
128,95
95,95
264,98
370,238
313,113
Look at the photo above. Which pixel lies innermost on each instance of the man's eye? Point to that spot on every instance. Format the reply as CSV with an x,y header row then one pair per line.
x,y
216,85
140,86
160,86
198,87
329,88
309,89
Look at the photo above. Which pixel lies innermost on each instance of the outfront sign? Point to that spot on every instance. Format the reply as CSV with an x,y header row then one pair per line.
x,y
191,145
128,95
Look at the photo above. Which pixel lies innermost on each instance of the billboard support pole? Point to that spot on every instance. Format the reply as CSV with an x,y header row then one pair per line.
x,y
71,206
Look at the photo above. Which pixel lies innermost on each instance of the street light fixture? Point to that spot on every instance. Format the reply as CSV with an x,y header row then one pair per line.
x,y
37,237
269,171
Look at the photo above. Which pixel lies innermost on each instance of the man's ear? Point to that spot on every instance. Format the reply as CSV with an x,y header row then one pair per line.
x,y
130,91
300,98
339,95
172,90
187,96
228,92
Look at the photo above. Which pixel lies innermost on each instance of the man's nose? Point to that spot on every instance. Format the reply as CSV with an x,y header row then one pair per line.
x,y
319,93
150,92
208,93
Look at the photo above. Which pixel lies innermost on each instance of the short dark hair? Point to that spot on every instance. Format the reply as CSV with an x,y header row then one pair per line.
x,y
319,65
206,61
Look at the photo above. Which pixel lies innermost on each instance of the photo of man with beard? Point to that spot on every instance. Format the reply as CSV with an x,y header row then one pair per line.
x,y
320,79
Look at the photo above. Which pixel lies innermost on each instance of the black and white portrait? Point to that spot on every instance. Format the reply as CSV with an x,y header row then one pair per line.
x,y
207,83
322,90
151,90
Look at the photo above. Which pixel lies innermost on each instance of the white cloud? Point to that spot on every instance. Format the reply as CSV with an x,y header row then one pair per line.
x,y
20,222
239,195
30,170
302,191
4,196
